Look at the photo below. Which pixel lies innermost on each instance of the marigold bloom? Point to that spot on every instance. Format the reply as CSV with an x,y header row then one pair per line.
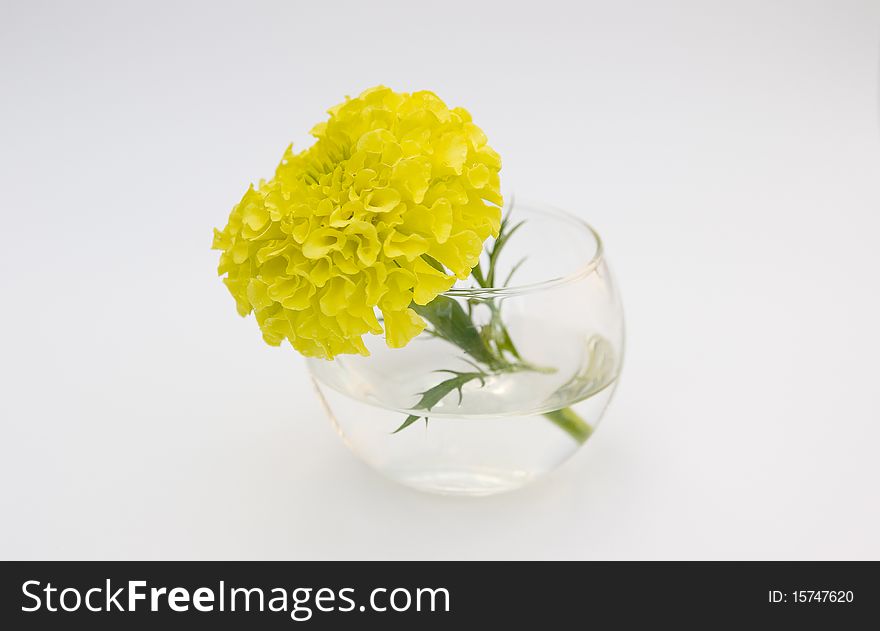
x,y
394,184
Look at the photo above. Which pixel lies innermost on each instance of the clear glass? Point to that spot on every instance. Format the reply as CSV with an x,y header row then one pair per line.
x,y
506,428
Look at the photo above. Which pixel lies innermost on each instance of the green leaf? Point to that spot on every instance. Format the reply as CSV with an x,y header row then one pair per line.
x,y
453,324
505,343
409,421
503,237
434,395
513,270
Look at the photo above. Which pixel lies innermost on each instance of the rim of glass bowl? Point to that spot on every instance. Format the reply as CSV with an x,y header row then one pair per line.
x,y
581,271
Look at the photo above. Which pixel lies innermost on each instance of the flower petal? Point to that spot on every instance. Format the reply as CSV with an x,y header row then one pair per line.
x,y
401,327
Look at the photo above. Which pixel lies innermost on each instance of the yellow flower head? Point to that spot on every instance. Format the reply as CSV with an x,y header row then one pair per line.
x,y
394,184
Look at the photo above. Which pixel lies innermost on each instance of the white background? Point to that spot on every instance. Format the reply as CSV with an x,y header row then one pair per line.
x,y
728,153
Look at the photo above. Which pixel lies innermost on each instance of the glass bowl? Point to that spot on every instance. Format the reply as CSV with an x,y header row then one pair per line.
x,y
553,314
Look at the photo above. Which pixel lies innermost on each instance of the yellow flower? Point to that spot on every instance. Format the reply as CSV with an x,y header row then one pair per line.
x,y
358,222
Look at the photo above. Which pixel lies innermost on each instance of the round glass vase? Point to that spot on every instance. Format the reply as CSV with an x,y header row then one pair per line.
x,y
442,416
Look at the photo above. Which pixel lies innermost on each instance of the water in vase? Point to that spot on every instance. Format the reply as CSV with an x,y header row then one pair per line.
x,y
501,431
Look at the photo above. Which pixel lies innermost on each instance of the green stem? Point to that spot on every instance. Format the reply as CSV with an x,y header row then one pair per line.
x,y
568,420
491,345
